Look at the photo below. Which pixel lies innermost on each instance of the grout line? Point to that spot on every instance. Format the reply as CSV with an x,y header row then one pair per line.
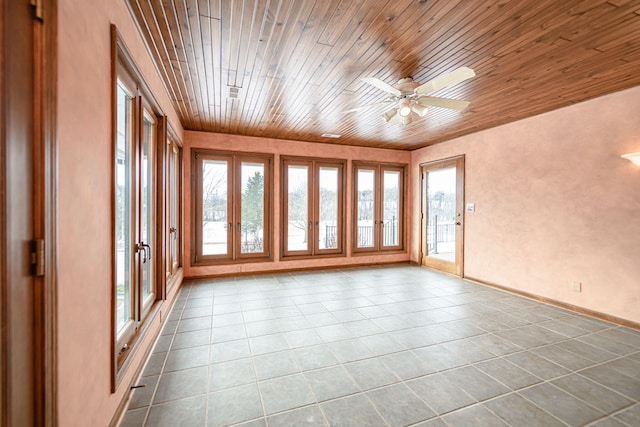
x,y
247,292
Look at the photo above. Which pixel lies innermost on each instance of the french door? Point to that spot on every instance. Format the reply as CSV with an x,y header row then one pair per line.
x,y
232,207
313,202
135,213
379,208
442,215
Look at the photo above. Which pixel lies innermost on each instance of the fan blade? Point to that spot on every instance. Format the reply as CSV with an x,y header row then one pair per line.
x,y
452,104
382,85
456,76
365,106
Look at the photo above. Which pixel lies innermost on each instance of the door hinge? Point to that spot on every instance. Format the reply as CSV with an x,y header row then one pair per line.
x,y
36,6
37,257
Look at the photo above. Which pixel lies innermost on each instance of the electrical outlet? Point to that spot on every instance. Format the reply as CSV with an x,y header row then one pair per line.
x,y
576,286
239,268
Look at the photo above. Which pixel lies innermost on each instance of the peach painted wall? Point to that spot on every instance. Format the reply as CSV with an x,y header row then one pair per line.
x,y
84,204
555,203
286,148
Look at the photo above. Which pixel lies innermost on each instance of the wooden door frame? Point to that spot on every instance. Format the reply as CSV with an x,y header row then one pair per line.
x,y
457,267
45,169
41,58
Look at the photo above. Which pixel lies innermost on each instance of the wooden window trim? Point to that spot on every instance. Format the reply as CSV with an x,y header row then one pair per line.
x,y
314,165
234,190
379,169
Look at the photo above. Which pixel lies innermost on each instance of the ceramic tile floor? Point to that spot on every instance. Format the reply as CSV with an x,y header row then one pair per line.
x,y
382,346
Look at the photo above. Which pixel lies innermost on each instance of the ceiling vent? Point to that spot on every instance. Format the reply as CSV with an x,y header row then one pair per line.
x,y
233,92
331,135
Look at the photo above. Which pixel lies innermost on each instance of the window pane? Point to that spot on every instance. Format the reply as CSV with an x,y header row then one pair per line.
x,y
328,209
252,208
123,214
441,211
298,208
146,209
214,207
365,208
173,208
391,208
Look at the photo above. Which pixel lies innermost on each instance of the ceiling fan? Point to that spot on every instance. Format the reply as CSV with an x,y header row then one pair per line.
x,y
410,97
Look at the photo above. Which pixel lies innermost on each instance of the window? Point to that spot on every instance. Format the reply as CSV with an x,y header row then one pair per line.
x,y
135,210
124,212
313,207
174,211
138,247
232,207
379,207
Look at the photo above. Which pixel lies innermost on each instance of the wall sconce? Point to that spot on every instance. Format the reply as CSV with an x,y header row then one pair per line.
x,y
632,157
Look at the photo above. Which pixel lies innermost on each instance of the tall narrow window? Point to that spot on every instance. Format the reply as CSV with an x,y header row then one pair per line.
x,y
379,207
146,220
313,207
231,207
124,212
391,180
174,181
252,207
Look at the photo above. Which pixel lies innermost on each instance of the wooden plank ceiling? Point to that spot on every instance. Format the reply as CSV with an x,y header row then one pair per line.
x,y
289,68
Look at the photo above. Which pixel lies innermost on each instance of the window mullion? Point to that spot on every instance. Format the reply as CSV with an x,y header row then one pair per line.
x,y
379,207
314,206
231,209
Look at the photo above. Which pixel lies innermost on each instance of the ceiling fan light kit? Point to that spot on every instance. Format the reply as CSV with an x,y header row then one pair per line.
x,y
390,114
411,97
420,110
404,108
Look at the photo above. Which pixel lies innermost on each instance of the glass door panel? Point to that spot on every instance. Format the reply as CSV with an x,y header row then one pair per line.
x,y
252,208
297,208
147,223
365,208
124,210
391,208
215,207
173,208
441,218
442,212
328,208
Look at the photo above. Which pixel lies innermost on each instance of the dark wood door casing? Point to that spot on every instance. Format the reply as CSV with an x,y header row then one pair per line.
x,y
27,212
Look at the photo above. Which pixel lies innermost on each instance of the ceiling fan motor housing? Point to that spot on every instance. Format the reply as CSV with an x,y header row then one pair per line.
x,y
407,86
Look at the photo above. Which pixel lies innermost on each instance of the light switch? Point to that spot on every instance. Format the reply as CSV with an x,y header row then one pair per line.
x,y
471,207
